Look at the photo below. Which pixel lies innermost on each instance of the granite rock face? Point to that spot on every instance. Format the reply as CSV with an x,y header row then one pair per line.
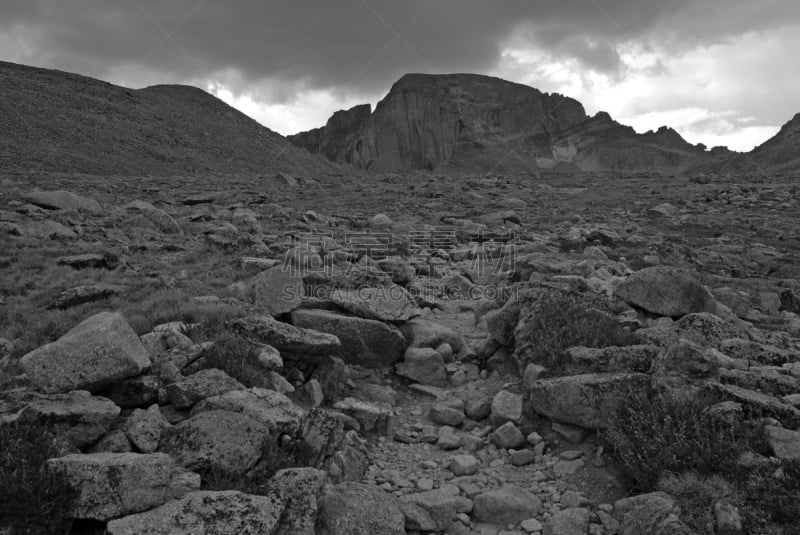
x,y
468,121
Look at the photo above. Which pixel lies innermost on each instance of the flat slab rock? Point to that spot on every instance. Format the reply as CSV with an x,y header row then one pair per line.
x,y
583,400
115,484
63,200
219,512
384,303
80,417
358,509
285,337
666,291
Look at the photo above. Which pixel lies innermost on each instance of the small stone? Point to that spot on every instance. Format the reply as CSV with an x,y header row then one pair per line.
x,y
522,457
425,484
565,468
506,407
534,438
508,436
464,465
531,525
571,455
443,414
448,438
571,433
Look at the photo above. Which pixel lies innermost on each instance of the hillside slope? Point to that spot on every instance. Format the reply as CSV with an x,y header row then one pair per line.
x,y
475,123
61,122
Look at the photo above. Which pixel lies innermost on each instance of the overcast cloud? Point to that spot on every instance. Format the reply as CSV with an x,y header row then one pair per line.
x,y
719,71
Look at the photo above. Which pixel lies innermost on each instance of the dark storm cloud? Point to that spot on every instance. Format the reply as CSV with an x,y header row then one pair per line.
x,y
356,46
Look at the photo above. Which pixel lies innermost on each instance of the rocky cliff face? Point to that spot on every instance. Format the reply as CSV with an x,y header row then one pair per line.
x,y
338,133
469,123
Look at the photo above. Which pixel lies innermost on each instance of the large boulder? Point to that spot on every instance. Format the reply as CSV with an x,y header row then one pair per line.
x,y
423,365
666,291
273,409
434,510
570,521
226,512
278,290
584,400
78,416
300,489
358,509
389,302
226,441
111,485
369,343
506,505
785,443
98,351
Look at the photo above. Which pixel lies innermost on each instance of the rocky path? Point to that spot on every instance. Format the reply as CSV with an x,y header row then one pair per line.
x,y
439,454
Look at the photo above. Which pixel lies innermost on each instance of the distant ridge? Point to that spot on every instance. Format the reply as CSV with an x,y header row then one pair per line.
x,y
61,122
475,123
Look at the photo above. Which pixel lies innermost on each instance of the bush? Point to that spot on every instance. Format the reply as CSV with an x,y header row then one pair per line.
x,y
654,434
696,495
678,447
33,499
562,322
235,356
769,499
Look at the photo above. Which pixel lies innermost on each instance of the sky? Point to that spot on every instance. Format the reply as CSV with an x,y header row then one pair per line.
x,y
720,72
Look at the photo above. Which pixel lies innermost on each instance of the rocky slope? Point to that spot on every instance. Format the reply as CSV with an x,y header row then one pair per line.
x,y
56,121
409,410
779,153
471,123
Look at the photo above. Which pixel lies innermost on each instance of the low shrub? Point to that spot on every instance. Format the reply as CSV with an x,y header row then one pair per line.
x,y
696,495
235,356
33,499
769,499
677,446
655,434
562,322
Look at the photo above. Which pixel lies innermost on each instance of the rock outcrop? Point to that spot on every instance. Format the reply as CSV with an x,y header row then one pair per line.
x,y
469,122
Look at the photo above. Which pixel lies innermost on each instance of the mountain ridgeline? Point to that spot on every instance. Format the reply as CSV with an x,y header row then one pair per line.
x,y
53,121
464,123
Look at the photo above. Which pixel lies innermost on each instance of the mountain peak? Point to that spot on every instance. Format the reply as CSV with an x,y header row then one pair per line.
x,y
476,123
